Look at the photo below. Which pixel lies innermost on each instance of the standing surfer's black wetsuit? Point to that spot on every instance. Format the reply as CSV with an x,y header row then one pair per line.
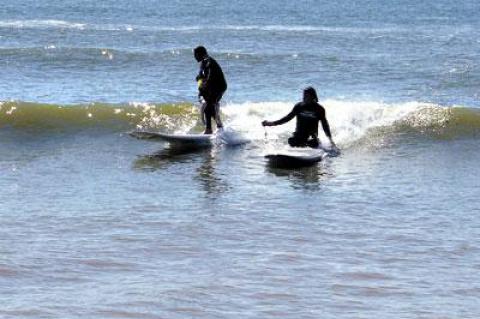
x,y
308,115
212,89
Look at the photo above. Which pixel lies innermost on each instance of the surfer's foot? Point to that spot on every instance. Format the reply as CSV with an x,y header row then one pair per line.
x,y
207,131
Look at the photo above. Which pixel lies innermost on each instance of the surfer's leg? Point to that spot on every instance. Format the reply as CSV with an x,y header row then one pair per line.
x,y
297,141
293,142
202,112
313,143
217,116
217,99
208,112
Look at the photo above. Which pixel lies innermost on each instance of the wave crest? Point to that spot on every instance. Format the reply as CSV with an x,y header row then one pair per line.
x,y
117,117
351,122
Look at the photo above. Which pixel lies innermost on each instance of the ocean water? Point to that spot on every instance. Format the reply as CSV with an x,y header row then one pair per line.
x,y
97,224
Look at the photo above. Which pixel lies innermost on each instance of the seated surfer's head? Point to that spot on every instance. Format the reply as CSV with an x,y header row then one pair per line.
x,y
310,95
200,53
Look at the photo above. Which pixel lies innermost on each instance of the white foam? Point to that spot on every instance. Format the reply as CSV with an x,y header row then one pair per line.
x,y
41,24
52,23
231,137
349,120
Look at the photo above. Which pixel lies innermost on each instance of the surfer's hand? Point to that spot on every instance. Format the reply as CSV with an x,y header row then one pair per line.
x,y
267,123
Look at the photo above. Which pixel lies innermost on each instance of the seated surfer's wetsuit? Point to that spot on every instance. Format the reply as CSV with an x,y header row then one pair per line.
x,y
212,89
306,133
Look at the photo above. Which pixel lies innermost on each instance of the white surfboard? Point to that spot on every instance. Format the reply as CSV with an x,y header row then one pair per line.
x,y
227,137
177,139
298,157
294,160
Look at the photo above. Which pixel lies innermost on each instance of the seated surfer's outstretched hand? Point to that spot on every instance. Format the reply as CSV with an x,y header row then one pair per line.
x,y
267,123
333,147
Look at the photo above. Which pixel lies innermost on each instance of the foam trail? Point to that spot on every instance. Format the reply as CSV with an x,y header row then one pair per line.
x,y
230,137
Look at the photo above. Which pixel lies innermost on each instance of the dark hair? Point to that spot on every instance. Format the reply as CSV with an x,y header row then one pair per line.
x,y
311,91
200,50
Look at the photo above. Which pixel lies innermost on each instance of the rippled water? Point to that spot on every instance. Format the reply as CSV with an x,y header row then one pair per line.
x,y
217,234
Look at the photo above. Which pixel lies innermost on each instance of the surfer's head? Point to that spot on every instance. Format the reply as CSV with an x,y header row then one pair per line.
x,y
200,53
310,95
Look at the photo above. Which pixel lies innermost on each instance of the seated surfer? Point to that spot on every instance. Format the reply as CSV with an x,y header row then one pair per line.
x,y
211,86
308,113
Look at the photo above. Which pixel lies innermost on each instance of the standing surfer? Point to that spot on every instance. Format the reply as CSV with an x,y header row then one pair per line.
x,y
308,113
211,86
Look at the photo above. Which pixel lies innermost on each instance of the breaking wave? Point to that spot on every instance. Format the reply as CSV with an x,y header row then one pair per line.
x,y
351,122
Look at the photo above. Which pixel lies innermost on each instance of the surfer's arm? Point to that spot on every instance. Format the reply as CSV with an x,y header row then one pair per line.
x,y
283,120
200,75
322,116
205,72
202,78
326,129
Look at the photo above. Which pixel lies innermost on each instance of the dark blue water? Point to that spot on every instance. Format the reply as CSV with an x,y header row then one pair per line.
x,y
141,50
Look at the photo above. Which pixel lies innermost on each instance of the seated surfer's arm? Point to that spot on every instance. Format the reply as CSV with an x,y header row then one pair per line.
x,y
283,120
326,129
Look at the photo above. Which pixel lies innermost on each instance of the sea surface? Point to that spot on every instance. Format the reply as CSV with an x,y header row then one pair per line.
x,y
98,224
